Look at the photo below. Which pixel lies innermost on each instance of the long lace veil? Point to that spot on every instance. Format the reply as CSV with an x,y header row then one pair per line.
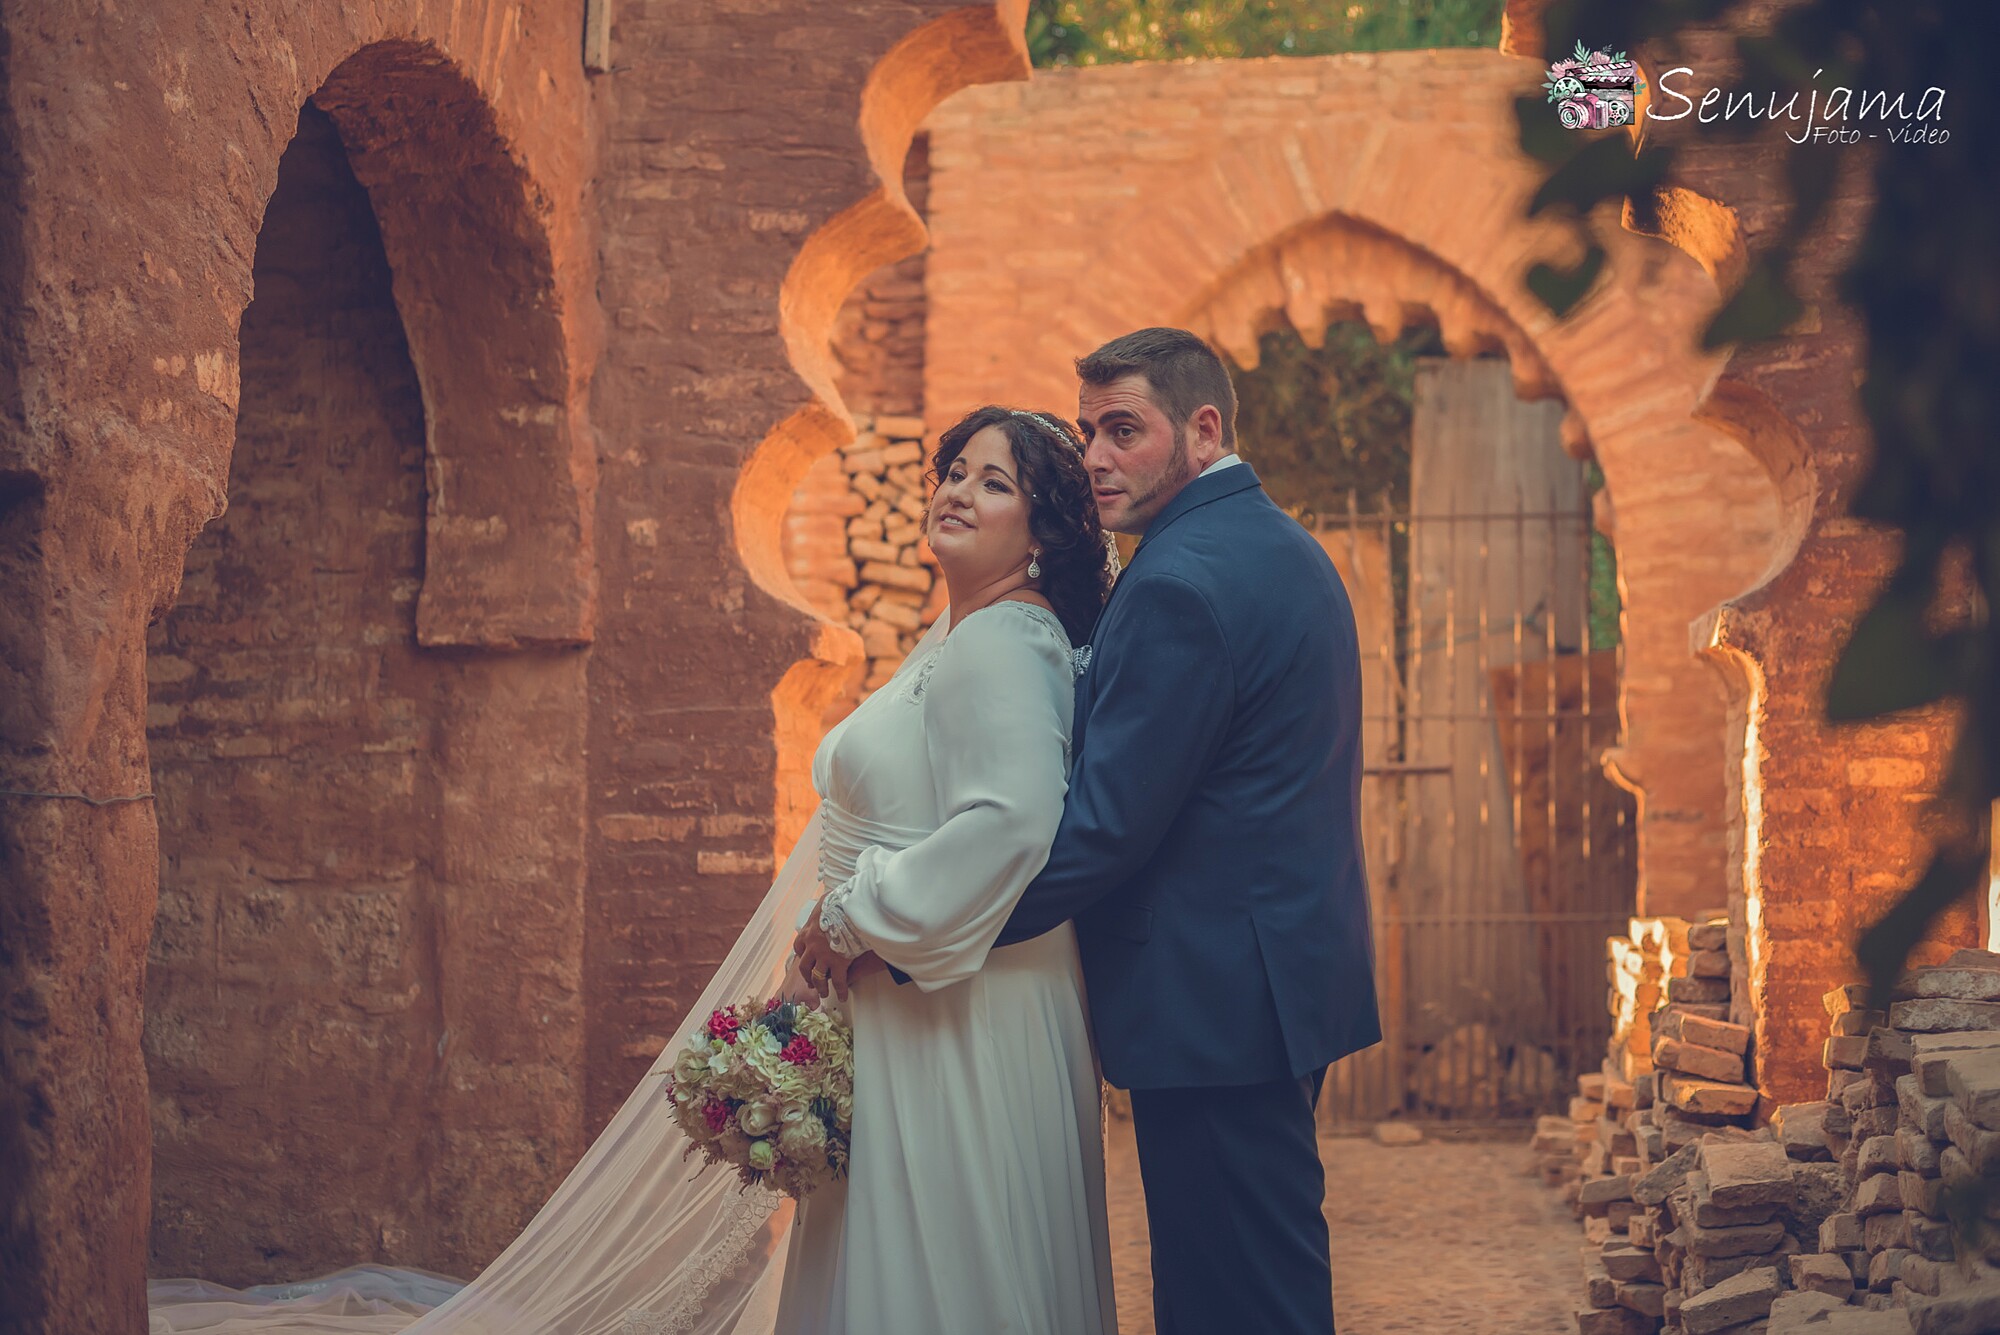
x,y
636,1241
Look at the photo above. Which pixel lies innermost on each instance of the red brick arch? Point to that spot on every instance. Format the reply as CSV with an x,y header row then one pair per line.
x,y
1229,195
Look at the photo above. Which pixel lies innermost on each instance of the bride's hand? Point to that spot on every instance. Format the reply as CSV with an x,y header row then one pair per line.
x,y
794,986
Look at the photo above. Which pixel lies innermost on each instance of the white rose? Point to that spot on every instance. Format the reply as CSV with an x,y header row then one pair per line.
x,y
758,1116
802,1138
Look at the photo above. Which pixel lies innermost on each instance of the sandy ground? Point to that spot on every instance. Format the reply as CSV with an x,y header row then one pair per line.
x,y
1449,1237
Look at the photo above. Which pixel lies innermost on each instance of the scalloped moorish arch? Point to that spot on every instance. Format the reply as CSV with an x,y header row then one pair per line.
x,y
1230,195
964,47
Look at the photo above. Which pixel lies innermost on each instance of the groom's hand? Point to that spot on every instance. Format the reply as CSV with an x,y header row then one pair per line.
x,y
826,969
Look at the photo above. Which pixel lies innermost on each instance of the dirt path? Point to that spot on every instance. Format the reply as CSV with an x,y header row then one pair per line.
x,y
1445,1238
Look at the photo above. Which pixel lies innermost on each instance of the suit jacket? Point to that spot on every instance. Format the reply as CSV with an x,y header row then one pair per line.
x,y
1210,845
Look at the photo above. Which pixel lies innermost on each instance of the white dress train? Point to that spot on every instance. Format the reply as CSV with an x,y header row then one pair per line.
x,y
975,1202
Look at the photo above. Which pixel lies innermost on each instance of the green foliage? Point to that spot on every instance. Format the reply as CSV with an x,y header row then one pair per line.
x,y
1603,605
1330,426
1925,284
1321,424
1104,32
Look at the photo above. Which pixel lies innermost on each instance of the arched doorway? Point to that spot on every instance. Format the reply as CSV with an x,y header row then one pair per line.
x,y
364,1016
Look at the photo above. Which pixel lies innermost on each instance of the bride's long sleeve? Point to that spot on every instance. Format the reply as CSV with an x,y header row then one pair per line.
x,y
996,725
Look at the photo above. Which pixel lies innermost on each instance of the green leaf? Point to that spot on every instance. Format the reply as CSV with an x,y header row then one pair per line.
x,y
1542,136
1764,307
1891,662
1885,948
1562,289
1605,169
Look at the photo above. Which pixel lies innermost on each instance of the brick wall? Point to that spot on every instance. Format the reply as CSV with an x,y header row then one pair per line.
x,y
615,293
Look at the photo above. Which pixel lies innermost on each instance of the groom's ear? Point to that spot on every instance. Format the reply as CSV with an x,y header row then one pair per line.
x,y
1205,436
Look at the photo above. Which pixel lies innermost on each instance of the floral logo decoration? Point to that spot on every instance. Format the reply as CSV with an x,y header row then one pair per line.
x,y
1593,90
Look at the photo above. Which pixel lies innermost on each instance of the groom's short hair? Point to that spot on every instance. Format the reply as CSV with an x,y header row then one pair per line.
x,y
1184,373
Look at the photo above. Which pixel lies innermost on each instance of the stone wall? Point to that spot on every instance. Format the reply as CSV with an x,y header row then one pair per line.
x,y
616,297
315,963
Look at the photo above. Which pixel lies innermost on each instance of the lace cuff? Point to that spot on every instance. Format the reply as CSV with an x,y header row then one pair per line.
x,y
833,921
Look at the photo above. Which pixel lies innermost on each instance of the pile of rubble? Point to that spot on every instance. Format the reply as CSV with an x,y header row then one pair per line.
x,y
1832,1219
1674,1069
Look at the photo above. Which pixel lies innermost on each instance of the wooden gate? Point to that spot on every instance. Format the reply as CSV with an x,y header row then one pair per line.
x,y
1499,855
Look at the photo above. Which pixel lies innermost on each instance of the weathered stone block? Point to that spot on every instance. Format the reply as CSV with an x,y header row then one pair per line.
x,y
1840,1233
1699,1273
1970,1311
1613,1321
1599,1290
1820,1272
1877,1195
1843,1053
1916,1152
1709,991
1708,1096
1743,1240
1918,1110
1734,1301
1879,1154
1645,1299
1689,1059
1925,1195
1935,1015
1707,936
1627,1264
1603,1191
1748,1174
1654,1186
1885,1266
1930,1238
1801,1129
1708,964
1973,1080
1880,1232
1886,1049
1953,984
1876,1121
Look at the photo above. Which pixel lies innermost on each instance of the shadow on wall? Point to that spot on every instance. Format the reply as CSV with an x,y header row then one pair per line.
x,y
325,1010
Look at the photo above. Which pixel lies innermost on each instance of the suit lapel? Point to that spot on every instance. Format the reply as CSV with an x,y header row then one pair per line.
x,y
1202,491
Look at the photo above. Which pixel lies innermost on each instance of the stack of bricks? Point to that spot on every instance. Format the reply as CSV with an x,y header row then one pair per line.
x,y
1675,1065
1674,1075
1913,1118
856,542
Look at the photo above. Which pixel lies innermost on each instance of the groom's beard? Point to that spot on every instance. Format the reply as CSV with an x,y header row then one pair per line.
x,y
1145,508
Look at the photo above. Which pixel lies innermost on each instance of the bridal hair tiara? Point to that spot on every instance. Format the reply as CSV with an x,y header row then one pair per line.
x,y
1051,423
1110,539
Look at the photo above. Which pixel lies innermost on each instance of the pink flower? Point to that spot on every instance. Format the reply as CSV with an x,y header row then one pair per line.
x,y
718,1114
724,1026
800,1051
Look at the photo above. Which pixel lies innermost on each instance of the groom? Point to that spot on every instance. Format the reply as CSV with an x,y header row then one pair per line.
x,y
1210,849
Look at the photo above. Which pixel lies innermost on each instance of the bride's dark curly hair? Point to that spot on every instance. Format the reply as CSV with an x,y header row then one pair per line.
x,y
1062,511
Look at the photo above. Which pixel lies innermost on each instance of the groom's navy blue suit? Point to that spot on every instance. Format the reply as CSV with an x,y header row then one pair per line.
x,y
1210,856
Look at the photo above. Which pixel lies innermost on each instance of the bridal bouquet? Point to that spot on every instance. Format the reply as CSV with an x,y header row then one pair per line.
x,y
768,1088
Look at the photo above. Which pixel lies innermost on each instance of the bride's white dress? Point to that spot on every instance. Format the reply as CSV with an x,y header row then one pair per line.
x,y
975,1198
975,1202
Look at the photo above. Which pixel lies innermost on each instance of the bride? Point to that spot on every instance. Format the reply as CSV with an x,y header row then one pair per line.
x,y
974,1201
